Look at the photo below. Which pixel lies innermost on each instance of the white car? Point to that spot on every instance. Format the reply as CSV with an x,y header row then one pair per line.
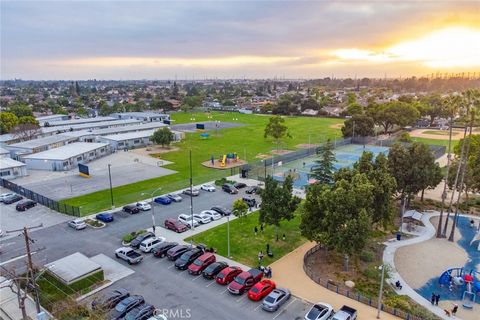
x,y
3,196
2,233
187,219
208,187
320,311
144,205
148,244
214,215
202,218
77,224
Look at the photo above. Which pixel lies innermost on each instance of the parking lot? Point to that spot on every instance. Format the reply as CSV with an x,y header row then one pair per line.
x,y
156,279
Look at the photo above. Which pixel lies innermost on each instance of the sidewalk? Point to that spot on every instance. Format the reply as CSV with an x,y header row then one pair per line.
x,y
288,272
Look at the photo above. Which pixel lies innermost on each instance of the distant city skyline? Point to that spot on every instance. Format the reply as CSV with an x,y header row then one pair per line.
x,y
122,40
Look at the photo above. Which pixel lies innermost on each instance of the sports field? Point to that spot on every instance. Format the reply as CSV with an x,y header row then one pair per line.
x,y
247,141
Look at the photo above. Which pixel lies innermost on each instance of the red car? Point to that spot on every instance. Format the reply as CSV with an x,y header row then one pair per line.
x,y
201,263
227,275
175,225
261,290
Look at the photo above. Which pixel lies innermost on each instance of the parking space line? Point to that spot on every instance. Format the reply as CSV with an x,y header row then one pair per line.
x,y
196,278
283,310
259,305
223,291
171,266
212,282
242,297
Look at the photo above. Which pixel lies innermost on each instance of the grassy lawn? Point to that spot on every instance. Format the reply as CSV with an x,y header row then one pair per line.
x,y
436,142
244,245
247,141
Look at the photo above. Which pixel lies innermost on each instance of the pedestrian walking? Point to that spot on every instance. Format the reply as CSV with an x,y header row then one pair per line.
x,y
433,298
261,228
255,230
268,248
455,309
437,298
260,257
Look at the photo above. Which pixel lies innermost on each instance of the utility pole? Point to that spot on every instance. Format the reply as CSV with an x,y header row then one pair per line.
x,y
191,191
111,190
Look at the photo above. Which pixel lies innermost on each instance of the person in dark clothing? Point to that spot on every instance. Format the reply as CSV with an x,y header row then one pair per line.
x,y
261,228
455,309
268,248
255,230
433,298
437,298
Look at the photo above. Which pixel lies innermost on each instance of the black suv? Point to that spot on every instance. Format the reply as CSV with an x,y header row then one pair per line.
x,y
13,198
223,211
125,306
160,250
251,202
109,300
24,205
136,242
175,253
229,188
131,209
212,270
187,258
252,190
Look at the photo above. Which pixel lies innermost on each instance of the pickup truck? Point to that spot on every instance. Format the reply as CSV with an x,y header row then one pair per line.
x,y
244,281
345,313
129,255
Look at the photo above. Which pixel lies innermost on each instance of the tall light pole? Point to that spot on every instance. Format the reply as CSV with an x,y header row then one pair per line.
x,y
111,190
228,236
153,206
379,307
353,134
191,191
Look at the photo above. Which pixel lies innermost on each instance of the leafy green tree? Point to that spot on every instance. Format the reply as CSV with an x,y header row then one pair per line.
x,y
323,170
278,203
362,124
354,109
394,113
190,102
276,129
433,106
163,136
28,119
240,208
405,137
20,109
8,120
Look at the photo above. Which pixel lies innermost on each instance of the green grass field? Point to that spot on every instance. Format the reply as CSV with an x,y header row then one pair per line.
x,y
244,245
247,141
435,142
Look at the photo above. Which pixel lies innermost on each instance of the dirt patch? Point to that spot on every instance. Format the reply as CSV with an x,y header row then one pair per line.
x,y
424,133
217,164
280,152
262,156
152,150
305,146
336,126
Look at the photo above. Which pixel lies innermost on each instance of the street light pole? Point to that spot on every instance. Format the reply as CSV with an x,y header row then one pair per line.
x,y
153,207
191,191
228,236
111,190
380,292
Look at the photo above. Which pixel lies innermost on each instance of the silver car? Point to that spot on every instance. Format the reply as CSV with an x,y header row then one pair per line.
x,y
174,197
3,196
77,224
275,299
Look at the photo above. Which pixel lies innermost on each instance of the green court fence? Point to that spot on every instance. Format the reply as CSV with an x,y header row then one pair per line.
x,y
52,204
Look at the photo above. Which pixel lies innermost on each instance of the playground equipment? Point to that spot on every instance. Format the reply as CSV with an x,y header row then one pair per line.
x,y
459,278
476,238
227,157
223,160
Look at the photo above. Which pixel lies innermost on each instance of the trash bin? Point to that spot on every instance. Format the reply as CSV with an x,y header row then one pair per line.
x,y
399,236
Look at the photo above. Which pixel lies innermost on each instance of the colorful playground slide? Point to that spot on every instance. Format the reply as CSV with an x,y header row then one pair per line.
x,y
469,281
224,158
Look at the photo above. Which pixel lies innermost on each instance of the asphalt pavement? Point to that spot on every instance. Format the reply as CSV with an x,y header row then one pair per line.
x,y
180,294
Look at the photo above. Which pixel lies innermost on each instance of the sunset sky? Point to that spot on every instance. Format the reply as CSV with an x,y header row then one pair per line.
x,y
227,39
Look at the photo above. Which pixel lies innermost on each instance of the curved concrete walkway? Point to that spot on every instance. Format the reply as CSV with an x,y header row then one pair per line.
x,y
389,255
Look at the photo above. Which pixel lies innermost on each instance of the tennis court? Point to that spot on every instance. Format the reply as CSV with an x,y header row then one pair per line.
x,y
301,169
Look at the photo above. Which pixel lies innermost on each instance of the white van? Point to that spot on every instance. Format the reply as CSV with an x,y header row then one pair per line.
x,y
148,244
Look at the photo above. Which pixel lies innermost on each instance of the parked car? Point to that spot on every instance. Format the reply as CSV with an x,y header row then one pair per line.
x,y
212,214
227,275
148,244
319,311
187,219
110,299
202,218
131,209
228,188
275,299
251,202
5,195
77,224
175,225
187,258
163,200
140,238
201,263
252,190
125,306
175,252
129,255
105,217
161,249
194,192
261,289
345,313
25,205
239,185
144,205
140,312
223,211
12,199
212,270
208,187
244,281
174,197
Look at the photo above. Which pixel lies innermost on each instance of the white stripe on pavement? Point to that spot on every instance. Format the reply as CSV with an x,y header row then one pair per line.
x,y
283,310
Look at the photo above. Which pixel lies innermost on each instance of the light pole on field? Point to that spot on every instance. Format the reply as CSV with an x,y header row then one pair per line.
x,y
111,190
379,307
228,236
191,191
153,207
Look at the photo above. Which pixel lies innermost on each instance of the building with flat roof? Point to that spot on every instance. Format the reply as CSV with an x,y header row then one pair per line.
x,y
39,144
11,169
4,153
8,138
77,121
52,118
66,157
89,126
144,116
135,139
72,268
